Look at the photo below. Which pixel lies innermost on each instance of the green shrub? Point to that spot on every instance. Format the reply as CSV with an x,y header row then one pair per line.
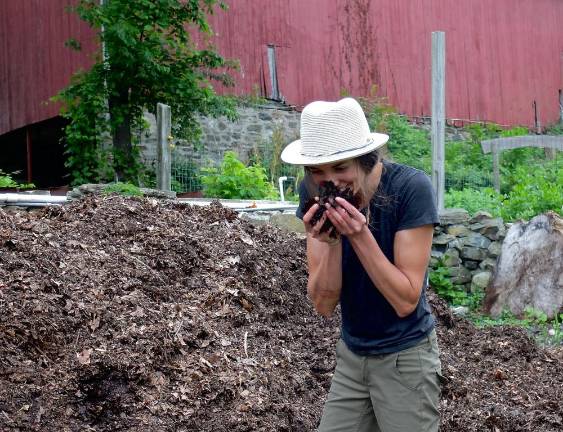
x,y
6,181
467,166
120,188
474,200
442,285
554,129
235,180
535,191
407,144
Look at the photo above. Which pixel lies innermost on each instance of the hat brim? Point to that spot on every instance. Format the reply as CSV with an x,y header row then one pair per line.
x,y
292,153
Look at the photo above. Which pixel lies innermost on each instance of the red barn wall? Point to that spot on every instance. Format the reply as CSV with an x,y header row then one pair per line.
x,y
34,62
501,55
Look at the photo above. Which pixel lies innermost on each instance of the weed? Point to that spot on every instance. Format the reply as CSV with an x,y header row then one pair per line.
x,y
235,180
7,181
120,188
536,322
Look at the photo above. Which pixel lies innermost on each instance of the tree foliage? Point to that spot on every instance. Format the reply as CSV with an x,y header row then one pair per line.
x,y
149,56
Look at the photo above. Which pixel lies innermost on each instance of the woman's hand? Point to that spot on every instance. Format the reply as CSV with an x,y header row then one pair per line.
x,y
346,218
315,230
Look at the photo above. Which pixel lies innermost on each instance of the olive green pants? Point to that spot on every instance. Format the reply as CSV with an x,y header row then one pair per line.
x,y
388,393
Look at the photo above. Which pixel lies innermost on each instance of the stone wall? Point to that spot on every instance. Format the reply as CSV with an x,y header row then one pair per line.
x,y
468,247
253,130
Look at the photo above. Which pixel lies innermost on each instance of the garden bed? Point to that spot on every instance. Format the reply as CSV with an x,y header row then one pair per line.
x,y
135,314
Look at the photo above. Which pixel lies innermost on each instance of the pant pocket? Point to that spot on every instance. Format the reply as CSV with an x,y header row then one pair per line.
x,y
408,368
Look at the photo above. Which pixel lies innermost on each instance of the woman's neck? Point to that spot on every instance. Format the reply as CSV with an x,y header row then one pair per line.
x,y
373,179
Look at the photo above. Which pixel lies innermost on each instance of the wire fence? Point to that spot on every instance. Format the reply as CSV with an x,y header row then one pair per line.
x,y
188,168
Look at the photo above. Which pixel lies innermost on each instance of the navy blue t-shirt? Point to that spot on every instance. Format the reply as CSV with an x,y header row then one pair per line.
x,y
370,326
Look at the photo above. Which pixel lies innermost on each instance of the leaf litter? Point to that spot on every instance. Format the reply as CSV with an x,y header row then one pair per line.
x,y
133,314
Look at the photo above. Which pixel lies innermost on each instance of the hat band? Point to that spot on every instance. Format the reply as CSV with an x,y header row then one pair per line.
x,y
368,142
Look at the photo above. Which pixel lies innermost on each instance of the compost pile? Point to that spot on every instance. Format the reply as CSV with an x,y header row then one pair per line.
x,y
134,314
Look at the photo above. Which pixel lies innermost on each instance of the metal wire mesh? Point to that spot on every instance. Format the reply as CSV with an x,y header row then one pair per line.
x,y
188,166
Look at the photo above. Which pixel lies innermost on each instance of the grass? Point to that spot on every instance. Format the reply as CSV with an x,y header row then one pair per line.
x,y
545,331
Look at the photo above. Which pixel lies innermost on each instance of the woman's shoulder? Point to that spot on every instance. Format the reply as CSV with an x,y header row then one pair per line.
x,y
399,176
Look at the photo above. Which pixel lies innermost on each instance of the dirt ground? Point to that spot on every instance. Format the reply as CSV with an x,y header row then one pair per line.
x,y
137,315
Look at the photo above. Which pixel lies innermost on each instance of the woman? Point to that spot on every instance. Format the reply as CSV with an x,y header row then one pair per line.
x,y
374,263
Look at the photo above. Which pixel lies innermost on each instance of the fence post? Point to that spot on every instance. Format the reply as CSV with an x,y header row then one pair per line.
x,y
438,115
164,162
496,170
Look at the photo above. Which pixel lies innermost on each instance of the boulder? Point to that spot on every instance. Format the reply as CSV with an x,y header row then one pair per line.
x,y
491,228
488,264
495,249
480,216
435,258
459,275
480,281
457,244
288,222
529,272
458,230
442,239
451,258
98,189
473,253
453,216
471,265
477,241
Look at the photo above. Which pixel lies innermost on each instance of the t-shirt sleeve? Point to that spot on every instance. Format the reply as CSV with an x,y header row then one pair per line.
x,y
303,199
417,205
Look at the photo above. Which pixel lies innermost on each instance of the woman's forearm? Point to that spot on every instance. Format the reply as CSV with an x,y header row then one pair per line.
x,y
325,275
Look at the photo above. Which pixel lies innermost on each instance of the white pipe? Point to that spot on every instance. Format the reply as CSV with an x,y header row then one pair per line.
x,y
14,198
30,200
280,183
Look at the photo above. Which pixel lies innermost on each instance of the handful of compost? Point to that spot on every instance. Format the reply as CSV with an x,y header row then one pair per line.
x,y
328,192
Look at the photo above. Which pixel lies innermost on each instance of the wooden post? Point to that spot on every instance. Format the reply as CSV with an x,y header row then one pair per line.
x,y
438,115
28,153
496,169
164,162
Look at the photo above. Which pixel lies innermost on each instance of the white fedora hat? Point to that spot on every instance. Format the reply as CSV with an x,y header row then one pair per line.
x,y
331,132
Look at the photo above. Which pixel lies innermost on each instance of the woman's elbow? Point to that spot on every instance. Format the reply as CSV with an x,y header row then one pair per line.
x,y
406,309
323,306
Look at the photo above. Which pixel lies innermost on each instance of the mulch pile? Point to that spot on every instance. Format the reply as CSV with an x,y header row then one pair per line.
x,y
133,314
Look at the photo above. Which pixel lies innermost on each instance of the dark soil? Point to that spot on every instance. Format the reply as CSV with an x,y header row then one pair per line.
x,y
327,194
131,314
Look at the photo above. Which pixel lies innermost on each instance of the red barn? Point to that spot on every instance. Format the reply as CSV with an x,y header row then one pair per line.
x,y
502,56
34,65
504,59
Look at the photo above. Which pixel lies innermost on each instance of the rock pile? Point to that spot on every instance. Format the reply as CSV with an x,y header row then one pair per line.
x,y
468,247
